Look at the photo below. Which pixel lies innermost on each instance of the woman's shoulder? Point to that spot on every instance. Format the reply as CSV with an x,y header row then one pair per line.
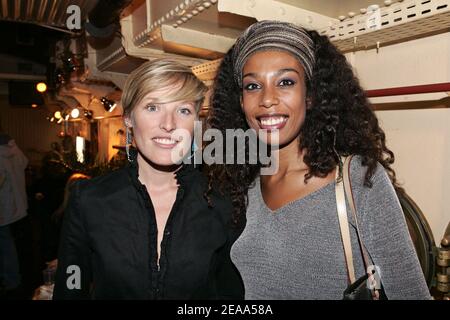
x,y
380,186
358,170
191,175
380,193
219,199
103,184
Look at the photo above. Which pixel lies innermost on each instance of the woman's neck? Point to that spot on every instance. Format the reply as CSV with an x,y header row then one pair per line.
x,y
155,176
290,160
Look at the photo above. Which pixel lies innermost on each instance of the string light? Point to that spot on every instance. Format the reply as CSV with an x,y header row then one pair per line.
x,y
57,115
41,87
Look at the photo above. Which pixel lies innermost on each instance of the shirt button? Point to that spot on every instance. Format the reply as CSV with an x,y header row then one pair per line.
x,y
167,233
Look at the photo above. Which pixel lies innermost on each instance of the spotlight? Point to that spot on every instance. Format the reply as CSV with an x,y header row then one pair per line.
x,y
34,105
75,113
57,115
111,108
67,117
41,87
60,120
109,105
88,114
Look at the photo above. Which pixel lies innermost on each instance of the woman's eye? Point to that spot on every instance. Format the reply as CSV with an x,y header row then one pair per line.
x,y
151,108
251,86
286,82
185,111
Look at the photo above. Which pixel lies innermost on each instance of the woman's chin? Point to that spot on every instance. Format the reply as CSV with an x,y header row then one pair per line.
x,y
163,159
166,162
271,139
277,142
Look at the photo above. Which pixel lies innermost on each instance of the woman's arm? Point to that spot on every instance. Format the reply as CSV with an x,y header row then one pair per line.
x,y
228,282
73,275
389,243
225,282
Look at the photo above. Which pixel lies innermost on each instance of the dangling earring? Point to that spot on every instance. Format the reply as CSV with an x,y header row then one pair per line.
x,y
308,103
129,141
194,147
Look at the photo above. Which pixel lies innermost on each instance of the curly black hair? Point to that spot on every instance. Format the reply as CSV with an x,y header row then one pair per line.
x,y
339,122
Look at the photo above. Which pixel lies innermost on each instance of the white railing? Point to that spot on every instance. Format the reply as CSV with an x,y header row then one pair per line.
x,y
390,16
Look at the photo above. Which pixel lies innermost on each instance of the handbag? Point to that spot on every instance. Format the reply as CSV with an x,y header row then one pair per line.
x,y
357,289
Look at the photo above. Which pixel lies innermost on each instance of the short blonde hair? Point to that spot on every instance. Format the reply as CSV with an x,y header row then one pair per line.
x,y
158,74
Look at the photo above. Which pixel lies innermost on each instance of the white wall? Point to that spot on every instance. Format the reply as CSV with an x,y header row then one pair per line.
x,y
416,62
420,140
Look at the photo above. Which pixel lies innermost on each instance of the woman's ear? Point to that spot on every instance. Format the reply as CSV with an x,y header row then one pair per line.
x,y
308,103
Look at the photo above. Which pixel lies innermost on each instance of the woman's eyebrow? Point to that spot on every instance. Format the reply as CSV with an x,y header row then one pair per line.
x,y
149,100
251,74
279,72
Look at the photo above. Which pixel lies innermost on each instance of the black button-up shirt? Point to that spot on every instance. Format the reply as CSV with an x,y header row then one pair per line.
x,y
110,235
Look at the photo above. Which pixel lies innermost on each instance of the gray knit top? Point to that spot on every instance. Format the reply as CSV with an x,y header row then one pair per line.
x,y
295,252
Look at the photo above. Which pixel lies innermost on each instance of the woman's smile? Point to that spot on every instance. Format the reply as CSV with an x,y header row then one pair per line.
x,y
272,121
165,142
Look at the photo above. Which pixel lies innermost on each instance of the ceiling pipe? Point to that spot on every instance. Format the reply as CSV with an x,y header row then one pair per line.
x,y
105,16
398,91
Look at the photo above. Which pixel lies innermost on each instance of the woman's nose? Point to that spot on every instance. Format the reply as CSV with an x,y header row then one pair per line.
x,y
168,123
269,98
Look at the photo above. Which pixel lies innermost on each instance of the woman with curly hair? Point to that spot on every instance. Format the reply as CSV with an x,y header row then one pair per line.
x,y
296,86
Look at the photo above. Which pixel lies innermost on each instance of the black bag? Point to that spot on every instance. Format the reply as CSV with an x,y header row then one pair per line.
x,y
358,290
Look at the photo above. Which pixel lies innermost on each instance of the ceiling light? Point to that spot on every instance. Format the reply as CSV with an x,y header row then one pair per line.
x,y
75,113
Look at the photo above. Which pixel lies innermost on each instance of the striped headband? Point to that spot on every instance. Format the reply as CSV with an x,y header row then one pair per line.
x,y
269,34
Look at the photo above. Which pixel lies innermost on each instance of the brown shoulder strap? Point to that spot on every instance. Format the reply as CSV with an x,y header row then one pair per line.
x,y
343,224
350,198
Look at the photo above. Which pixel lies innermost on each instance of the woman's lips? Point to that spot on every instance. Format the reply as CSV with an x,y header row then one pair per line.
x,y
165,143
272,122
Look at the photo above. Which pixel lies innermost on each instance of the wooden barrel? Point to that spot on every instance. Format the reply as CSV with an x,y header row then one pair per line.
x,y
421,235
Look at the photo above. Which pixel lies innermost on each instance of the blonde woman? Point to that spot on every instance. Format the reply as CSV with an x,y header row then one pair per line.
x,y
146,231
